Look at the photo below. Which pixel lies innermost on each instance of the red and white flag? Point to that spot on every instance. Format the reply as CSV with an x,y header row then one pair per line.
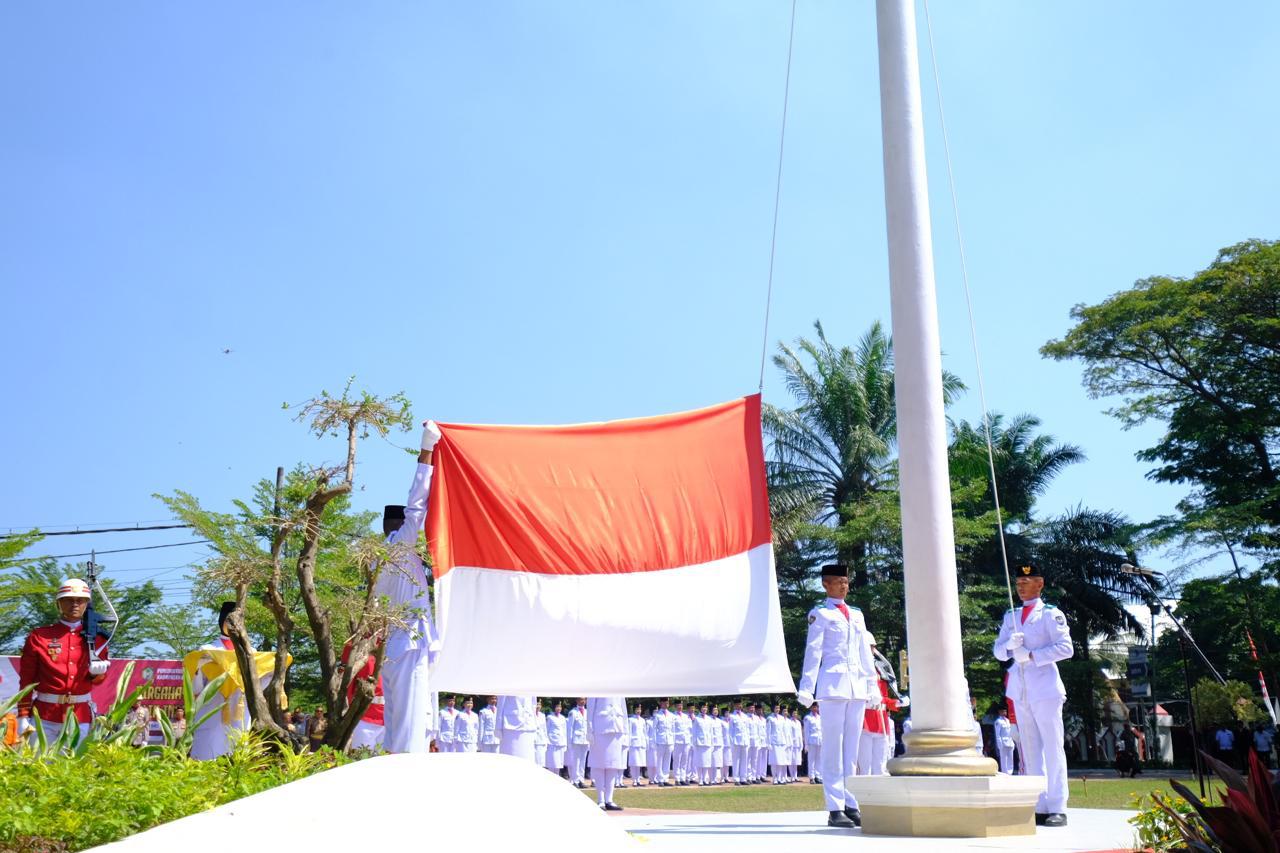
x,y
629,558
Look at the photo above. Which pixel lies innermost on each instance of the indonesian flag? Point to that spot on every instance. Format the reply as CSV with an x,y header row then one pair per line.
x,y
629,558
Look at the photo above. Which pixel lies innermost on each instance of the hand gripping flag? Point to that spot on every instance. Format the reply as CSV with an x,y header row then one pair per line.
x,y
629,558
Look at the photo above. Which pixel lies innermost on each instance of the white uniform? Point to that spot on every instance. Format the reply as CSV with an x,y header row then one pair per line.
x,y
739,744
779,732
540,740
516,723
409,710
579,742
219,733
557,741
703,744
664,729
607,723
839,672
1037,693
1004,744
466,731
446,719
718,731
489,740
637,746
682,747
797,747
813,743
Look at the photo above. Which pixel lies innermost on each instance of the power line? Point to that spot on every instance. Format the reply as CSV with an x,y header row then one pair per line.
x,y
97,530
124,550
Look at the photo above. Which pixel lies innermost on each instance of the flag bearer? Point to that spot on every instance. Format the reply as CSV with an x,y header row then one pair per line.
x,y
1036,637
839,672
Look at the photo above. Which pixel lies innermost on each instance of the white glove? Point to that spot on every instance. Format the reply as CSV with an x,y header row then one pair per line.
x,y
1021,655
805,699
430,434
97,667
1015,640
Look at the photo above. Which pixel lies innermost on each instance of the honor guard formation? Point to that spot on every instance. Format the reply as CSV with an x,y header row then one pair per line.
x,y
846,689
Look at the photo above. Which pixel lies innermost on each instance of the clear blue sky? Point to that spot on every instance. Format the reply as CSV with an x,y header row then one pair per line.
x,y
556,212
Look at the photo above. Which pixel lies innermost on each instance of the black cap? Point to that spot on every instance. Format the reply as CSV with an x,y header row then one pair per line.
x,y
224,612
393,512
1027,570
835,570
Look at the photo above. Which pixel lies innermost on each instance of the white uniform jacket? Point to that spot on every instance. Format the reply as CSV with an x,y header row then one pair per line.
x,y
516,714
556,729
813,729
664,727
447,718
1004,732
702,735
466,727
837,656
1047,638
739,729
606,716
579,727
717,731
682,728
489,725
540,734
404,580
637,732
779,730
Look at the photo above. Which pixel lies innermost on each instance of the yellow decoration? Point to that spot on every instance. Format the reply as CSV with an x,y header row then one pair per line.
x,y
214,662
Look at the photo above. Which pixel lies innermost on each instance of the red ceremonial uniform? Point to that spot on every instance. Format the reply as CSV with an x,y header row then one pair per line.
x,y
55,658
375,711
876,720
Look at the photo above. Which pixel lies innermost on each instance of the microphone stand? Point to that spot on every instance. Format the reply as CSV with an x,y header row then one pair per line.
x,y
1184,639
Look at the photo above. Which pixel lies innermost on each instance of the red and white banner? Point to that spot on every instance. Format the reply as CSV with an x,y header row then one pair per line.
x,y
162,680
629,558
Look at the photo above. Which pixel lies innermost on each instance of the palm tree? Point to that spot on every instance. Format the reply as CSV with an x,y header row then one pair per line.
x,y
1080,553
1025,464
835,448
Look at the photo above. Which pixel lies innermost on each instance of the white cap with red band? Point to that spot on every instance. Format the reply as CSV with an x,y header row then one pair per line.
x,y
73,588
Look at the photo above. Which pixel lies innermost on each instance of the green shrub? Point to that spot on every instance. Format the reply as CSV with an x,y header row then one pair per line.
x,y
1154,828
115,790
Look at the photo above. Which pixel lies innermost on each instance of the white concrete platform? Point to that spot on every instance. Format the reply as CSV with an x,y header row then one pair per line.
x,y
1087,830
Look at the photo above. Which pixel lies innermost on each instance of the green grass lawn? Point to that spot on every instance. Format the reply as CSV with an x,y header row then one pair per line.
x,y
1085,794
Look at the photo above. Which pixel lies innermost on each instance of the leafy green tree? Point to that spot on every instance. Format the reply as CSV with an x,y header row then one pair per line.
x,y
175,629
833,452
303,559
1202,356
1230,704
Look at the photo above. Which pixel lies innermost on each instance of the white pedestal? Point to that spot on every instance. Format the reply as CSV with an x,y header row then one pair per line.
x,y
947,806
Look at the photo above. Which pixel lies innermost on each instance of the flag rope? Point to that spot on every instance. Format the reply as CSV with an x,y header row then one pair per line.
x,y
968,298
777,195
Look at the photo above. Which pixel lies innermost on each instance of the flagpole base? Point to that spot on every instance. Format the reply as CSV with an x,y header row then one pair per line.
x,y
947,806
942,752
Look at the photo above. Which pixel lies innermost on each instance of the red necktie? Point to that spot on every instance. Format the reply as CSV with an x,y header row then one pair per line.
x,y
843,608
1026,611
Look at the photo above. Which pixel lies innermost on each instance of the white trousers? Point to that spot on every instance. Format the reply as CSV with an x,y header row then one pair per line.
x,y
680,761
555,758
815,761
577,762
540,754
1040,729
870,754
408,710
661,763
739,759
1006,758
464,746
841,731
367,735
490,747
605,779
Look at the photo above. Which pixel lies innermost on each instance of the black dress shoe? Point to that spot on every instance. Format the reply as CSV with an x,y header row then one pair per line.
x,y
579,785
853,815
612,807
1056,819
1040,818
839,819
